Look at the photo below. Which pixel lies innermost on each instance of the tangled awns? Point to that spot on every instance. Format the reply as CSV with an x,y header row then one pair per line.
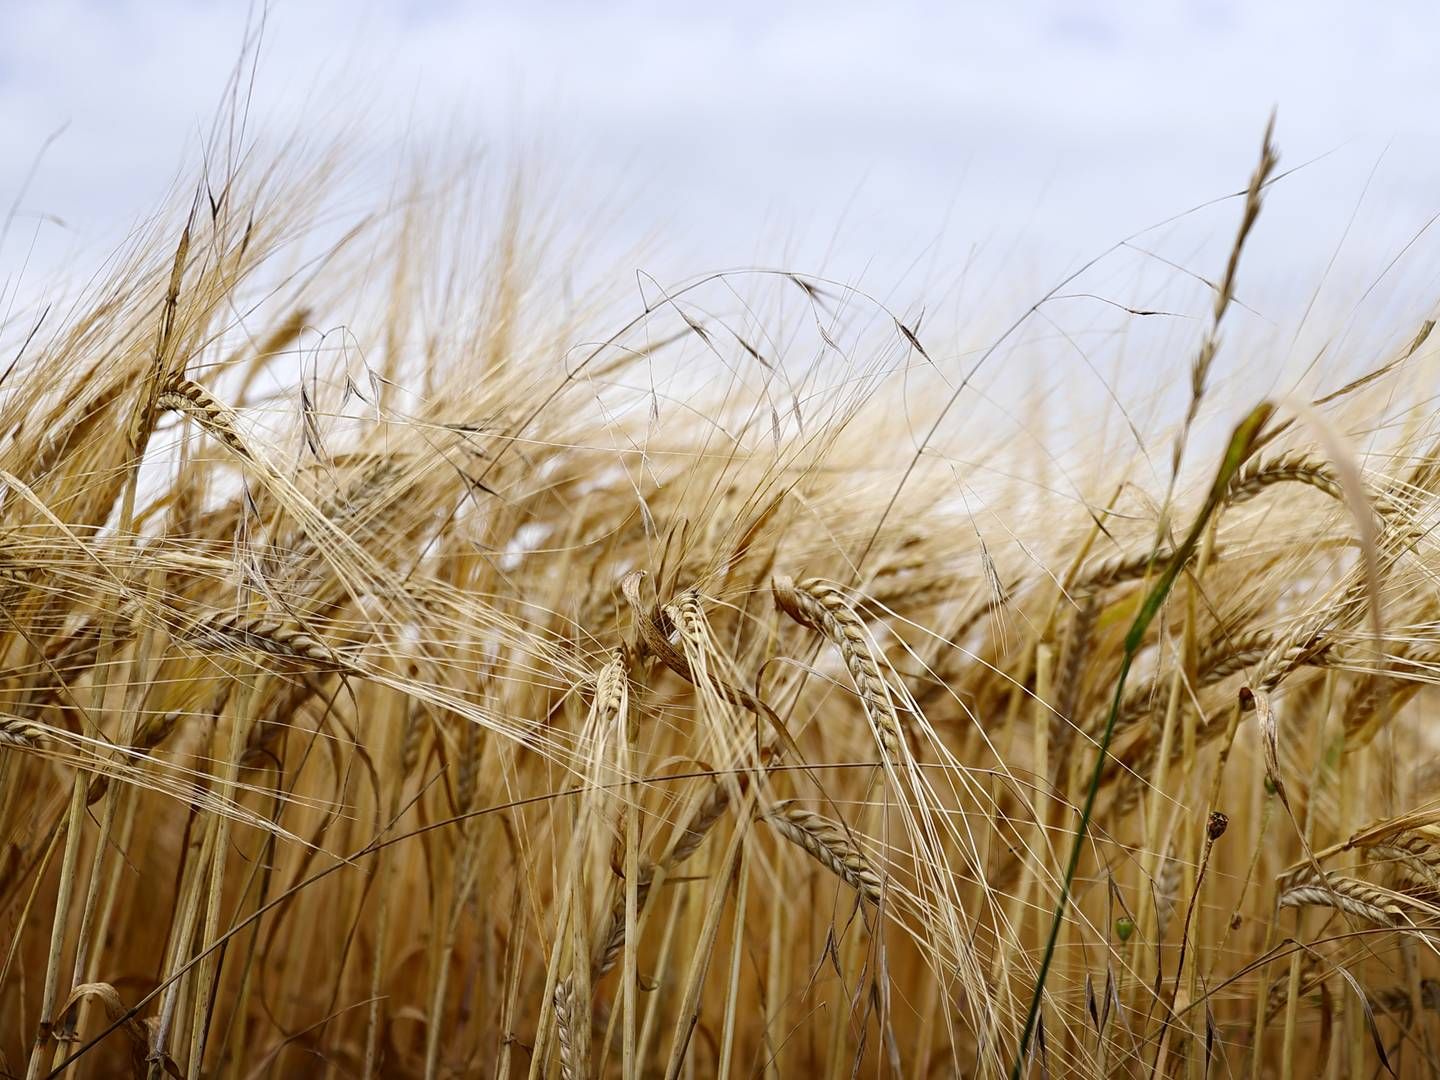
x,y
453,691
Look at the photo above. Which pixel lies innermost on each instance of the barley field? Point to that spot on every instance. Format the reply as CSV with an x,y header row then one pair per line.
x,y
470,691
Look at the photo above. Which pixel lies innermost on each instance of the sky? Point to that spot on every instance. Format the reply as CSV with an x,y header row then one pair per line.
x,y
906,147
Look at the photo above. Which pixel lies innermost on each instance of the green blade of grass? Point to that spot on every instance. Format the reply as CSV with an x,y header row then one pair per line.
x,y
1242,443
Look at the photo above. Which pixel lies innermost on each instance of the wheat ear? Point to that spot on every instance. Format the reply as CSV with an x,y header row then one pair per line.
x,y
1413,858
277,637
564,1033
189,398
17,731
828,844
823,608
1292,467
1351,895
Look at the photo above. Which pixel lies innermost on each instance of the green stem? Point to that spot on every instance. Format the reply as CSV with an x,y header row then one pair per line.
x,y
1242,443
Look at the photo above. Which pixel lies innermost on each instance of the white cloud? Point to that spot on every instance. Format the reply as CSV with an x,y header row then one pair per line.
x,y
1045,131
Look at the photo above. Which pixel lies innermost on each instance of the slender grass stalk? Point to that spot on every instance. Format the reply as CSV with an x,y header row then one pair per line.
x,y
1242,443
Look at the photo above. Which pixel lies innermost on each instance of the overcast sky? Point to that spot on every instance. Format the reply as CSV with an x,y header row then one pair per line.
x,y
889,143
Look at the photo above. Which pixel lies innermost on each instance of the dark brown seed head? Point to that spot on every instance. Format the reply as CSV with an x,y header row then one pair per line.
x,y
1218,824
